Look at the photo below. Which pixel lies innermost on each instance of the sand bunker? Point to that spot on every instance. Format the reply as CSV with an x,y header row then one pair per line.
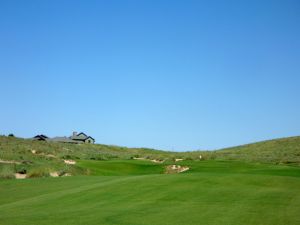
x,y
54,174
9,161
137,158
157,161
20,176
151,160
176,169
178,160
70,162
67,175
43,154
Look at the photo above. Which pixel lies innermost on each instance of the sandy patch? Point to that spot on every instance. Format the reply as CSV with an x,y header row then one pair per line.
x,y
20,176
54,174
70,162
43,154
157,161
136,158
178,160
9,161
183,169
176,169
151,160
67,175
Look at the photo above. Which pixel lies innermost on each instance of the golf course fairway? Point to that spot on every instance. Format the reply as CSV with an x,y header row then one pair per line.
x,y
210,193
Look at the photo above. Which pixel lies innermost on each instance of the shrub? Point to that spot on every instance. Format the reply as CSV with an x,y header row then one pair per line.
x,y
38,172
21,169
7,172
66,157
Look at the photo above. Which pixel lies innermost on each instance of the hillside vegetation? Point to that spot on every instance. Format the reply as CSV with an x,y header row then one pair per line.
x,y
278,151
38,158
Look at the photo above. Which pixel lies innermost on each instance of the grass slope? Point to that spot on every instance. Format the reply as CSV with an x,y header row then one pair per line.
x,y
121,167
49,156
282,151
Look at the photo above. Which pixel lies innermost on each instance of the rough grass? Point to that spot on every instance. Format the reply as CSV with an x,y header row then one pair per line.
x,y
278,151
7,171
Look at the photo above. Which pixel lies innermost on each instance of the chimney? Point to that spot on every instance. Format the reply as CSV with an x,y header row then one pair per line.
x,y
74,133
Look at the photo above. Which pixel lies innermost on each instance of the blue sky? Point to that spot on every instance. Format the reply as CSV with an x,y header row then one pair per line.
x,y
174,75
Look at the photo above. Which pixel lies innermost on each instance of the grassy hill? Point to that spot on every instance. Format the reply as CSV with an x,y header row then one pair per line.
x,y
280,151
40,158
256,184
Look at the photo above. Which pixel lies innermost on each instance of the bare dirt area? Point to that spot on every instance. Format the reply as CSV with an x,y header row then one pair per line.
x,y
9,161
20,176
176,169
54,174
70,162
151,160
178,160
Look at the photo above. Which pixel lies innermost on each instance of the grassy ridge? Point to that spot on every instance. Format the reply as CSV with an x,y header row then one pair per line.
x,y
50,157
279,151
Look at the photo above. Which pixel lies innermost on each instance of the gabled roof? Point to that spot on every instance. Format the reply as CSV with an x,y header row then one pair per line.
x,y
90,138
78,138
40,136
81,133
81,136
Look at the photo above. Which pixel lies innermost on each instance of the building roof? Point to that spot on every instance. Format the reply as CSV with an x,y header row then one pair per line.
x,y
40,136
62,139
80,137
90,138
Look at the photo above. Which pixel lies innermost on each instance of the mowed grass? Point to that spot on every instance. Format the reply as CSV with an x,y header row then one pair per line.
x,y
120,167
211,193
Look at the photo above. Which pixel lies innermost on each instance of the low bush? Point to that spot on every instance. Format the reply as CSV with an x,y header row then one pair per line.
x,y
38,172
7,171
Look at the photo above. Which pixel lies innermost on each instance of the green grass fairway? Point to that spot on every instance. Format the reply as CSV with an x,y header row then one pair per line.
x,y
211,193
121,167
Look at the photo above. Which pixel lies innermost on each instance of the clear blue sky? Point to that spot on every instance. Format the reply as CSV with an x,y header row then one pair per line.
x,y
174,75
